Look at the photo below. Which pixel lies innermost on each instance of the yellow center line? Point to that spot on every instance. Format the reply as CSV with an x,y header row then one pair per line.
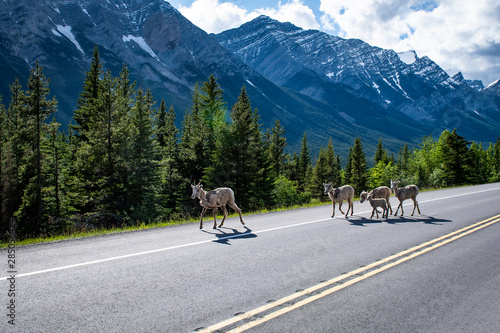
x,y
427,245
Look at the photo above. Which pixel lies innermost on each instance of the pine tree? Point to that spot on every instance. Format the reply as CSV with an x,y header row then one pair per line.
x,y
456,158
277,145
404,157
348,168
3,173
333,171
14,152
359,175
193,153
238,162
304,164
495,161
319,176
213,109
89,97
479,163
166,136
143,160
380,153
56,202
37,109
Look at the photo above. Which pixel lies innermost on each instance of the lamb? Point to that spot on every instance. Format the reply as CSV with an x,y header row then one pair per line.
x,y
378,202
408,192
340,194
214,199
379,192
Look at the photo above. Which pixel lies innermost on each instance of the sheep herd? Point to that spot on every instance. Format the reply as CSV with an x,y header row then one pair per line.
x,y
378,198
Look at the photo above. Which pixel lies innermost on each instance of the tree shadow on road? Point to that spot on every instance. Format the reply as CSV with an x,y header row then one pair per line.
x,y
224,236
362,221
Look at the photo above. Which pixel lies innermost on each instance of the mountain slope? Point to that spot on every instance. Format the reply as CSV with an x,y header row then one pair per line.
x,y
166,53
394,85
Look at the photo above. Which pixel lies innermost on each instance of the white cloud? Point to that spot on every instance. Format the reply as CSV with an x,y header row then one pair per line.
x,y
214,16
295,12
458,35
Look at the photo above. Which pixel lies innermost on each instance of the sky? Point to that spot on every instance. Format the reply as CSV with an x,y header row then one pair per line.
x,y
459,35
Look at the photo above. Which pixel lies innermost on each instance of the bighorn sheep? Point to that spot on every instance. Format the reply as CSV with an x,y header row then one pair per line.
x,y
408,192
214,199
378,202
379,192
340,194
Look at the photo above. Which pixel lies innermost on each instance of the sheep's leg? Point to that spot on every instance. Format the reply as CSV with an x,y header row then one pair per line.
x,y
389,205
225,215
201,220
415,205
333,214
351,205
400,205
340,206
395,214
215,217
373,211
236,209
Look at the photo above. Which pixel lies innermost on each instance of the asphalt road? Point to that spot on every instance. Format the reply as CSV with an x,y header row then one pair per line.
x,y
293,271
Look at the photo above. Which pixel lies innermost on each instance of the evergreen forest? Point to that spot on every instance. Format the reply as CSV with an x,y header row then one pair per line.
x,y
124,162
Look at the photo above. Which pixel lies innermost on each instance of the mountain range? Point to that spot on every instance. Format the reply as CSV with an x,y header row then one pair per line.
x,y
323,85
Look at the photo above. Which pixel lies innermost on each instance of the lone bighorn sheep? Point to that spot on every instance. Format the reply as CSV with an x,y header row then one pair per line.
x,y
379,192
340,194
378,202
214,199
408,192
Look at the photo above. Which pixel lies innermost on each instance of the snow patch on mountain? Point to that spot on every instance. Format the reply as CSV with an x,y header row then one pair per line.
x,y
66,31
408,57
142,43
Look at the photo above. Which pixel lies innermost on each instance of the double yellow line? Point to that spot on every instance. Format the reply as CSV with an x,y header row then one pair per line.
x,y
350,278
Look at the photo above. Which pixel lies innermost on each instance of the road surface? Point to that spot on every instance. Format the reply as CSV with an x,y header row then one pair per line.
x,y
292,271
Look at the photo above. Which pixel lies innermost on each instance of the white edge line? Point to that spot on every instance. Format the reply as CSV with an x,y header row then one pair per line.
x,y
209,241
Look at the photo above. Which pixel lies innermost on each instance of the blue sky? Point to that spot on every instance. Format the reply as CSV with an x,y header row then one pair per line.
x,y
460,35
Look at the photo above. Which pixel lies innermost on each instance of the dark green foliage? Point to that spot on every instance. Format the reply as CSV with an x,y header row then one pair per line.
x,y
166,136
143,161
358,167
126,162
89,97
3,168
456,159
213,109
36,110
381,153
277,145
193,154
240,160
303,165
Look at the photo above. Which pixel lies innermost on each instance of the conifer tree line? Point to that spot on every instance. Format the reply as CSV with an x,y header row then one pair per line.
x,y
123,161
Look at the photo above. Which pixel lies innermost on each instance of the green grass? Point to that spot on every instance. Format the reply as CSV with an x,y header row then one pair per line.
x,y
143,226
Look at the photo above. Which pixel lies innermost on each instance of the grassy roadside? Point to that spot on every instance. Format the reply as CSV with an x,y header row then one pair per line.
x,y
143,226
